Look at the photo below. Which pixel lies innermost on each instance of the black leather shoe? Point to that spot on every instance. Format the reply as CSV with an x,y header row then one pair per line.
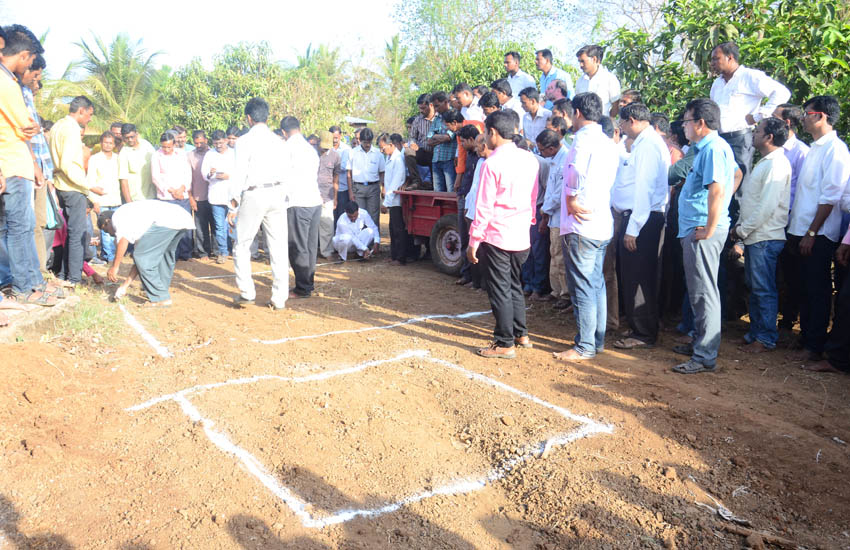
x,y
684,349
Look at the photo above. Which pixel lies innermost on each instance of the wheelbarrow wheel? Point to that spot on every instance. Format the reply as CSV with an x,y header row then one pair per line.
x,y
446,250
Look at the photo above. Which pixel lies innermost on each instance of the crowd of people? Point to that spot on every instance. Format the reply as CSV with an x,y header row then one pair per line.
x,y
573,194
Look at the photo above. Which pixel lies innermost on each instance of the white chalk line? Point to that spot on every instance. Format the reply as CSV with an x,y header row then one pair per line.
x,y
367,329
455,487
146,336
232,275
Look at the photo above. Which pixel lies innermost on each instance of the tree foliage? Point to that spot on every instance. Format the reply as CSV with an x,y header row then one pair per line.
x,y
805,45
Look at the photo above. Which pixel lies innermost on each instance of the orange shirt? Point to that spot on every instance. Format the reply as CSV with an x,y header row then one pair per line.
x,y
460,167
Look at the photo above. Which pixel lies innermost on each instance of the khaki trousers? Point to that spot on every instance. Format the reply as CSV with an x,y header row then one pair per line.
x,y
557,269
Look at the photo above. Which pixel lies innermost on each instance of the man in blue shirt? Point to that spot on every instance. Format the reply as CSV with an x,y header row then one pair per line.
x,y
549,73
703,227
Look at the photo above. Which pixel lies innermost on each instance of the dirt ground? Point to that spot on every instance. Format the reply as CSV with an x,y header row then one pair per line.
x,y
762,437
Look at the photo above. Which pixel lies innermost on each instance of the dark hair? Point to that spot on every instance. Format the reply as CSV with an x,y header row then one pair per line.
x,y
548,138
706,110
423,99
503,86
46,124
167,135
589,104
462,87
607,126
384,138
218,134
335,128
546,53
514,116
257,109
128,128
452,115
481,89
660,122
289,123
637,111
502,122
564,105
351,207
38,63
198,133
520,142
116,125
728,48
468,132
366,134
79,102
591,50
531,93
439,97
792,115
677,128
560,124
105,135
776,128
825,104
561,85
515,55
232,131
20,39
410,120
633,94
103,217
488,99
397,140
179,129
279,133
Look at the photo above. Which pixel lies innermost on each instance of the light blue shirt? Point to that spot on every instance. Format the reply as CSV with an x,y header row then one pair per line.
x,y
555,74
714,162
555,187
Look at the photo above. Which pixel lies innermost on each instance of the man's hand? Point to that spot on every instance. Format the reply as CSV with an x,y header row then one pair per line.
x,y
212,173
176,194
630,243
806,245
231,218
335,201
222,176
576,210
701,233
413,146
193,204
350,193
843,254
31,130
39,177
112,274
750,120
98,190
375,248
384,209
472,253
96,207
543,228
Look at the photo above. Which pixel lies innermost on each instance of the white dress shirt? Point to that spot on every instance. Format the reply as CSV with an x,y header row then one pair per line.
x,y
764,200
365,167
171,171
103,172
473,112
303,173
822,180
646,175
394,178
515,105
589,173
531,127
555,187
219,189
261,159
604,84
743,96
795,152
344,226
520,81
133,219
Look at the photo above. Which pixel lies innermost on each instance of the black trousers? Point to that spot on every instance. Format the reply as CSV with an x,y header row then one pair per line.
x,y
837,346
398,235
640,275
789,288
204,228
502,271
815,290
341,200
303,225
672,289
73,206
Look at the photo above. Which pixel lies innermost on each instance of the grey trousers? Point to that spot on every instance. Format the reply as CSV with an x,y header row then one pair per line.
x,y
368,198
702,261
155,255
303,245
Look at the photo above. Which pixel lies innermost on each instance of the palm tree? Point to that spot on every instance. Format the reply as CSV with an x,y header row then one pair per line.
x,y
393,69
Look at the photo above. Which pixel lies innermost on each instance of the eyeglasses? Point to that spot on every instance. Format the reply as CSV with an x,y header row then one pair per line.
x,y
815,113
684,120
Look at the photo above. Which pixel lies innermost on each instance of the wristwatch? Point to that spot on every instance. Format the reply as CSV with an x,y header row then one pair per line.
x,y
811,233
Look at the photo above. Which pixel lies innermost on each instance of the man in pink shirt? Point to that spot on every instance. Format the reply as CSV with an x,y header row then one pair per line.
x,y
171,174
504,212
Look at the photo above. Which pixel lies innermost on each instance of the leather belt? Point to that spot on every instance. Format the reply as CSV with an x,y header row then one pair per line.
x,y
736,133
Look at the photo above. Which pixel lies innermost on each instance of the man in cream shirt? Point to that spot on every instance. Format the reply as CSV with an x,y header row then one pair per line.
x,y
598,79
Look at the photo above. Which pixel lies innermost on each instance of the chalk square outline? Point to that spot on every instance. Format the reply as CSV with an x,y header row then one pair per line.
x,y
463,485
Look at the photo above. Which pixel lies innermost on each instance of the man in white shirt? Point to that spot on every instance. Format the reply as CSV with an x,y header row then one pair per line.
x,y
549,74
103,173
366,173
507,99
640,199
355,230
550,146
764,215
155,229
815,223
343,149
587,224
393,147
517,78
330,166
535,117
740,92
468,102
598,79
259,196
217,170
305,206
171,174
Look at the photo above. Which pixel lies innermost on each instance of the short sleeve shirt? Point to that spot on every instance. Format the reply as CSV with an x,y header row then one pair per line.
x,y
714,162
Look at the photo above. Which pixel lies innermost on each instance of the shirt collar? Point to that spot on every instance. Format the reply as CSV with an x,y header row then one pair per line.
x,y
776,152
712,135
790,143
8,72
825,139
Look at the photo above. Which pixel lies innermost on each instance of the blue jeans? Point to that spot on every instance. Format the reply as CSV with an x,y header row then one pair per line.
x,y
444,175
219,214
583,258
760,270
425,173
107,241
17,223
5,267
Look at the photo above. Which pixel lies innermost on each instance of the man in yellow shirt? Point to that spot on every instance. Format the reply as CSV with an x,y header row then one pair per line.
x,y
17,216
69,179
134,166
